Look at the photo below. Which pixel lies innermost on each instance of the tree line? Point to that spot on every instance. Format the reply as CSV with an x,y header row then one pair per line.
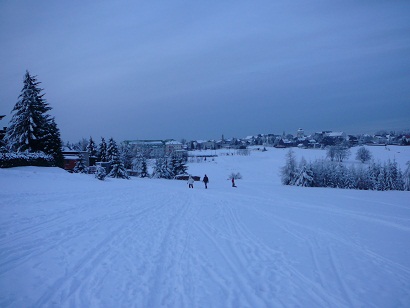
x,y
335,174
125,157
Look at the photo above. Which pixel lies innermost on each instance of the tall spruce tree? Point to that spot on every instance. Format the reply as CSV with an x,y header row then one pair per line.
x,y
26,128
31,128
126,155
53,143
91,148
139,165
112,150
102,150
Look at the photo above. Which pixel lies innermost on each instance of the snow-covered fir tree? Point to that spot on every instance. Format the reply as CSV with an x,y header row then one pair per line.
x,y
289,171
139,165
91,148
394,178
168,169
25,130
126,155
80,166
102,150
144,169
31,128
304,176
118,169
406,177
381,180
53,143
177,166
161,168
112,150
362,179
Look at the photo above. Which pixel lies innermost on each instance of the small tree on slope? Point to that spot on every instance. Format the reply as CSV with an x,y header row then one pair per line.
x,y
304,176
289,171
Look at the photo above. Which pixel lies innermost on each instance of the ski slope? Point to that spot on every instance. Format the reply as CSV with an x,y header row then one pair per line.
x,y
69,240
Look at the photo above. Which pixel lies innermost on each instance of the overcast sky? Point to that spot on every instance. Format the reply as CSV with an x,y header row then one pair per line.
x,y
200,69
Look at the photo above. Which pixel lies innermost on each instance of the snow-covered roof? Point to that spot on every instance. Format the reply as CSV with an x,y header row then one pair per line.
x,y
72,157
66,149
146,142
335,134
204,141
173,142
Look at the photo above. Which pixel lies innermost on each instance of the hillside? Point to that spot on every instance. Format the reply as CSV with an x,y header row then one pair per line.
x,y
69,240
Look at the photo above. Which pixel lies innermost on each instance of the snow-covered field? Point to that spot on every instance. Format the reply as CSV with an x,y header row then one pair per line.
x,y
69,240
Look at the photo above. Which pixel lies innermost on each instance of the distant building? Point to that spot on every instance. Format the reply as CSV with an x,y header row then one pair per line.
x,y
173,146
300,133
71,157
208,145
157,148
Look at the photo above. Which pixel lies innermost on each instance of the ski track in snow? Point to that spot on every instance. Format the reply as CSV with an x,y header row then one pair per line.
x,y
156,243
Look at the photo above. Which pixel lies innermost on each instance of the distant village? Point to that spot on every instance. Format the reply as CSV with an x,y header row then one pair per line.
x,y
300,139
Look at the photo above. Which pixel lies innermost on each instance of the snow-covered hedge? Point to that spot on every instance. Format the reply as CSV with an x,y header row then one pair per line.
x,y
8,160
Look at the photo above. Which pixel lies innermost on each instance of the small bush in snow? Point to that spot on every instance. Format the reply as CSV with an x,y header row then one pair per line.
x,y
363,155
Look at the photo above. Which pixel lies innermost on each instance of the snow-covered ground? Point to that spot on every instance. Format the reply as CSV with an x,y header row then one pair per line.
x,y
69,240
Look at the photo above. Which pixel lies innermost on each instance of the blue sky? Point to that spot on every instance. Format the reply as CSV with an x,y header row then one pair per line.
x,y
179,69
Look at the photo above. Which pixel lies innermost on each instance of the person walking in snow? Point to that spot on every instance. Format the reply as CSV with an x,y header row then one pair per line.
x,y
191,182
233,182
205,180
